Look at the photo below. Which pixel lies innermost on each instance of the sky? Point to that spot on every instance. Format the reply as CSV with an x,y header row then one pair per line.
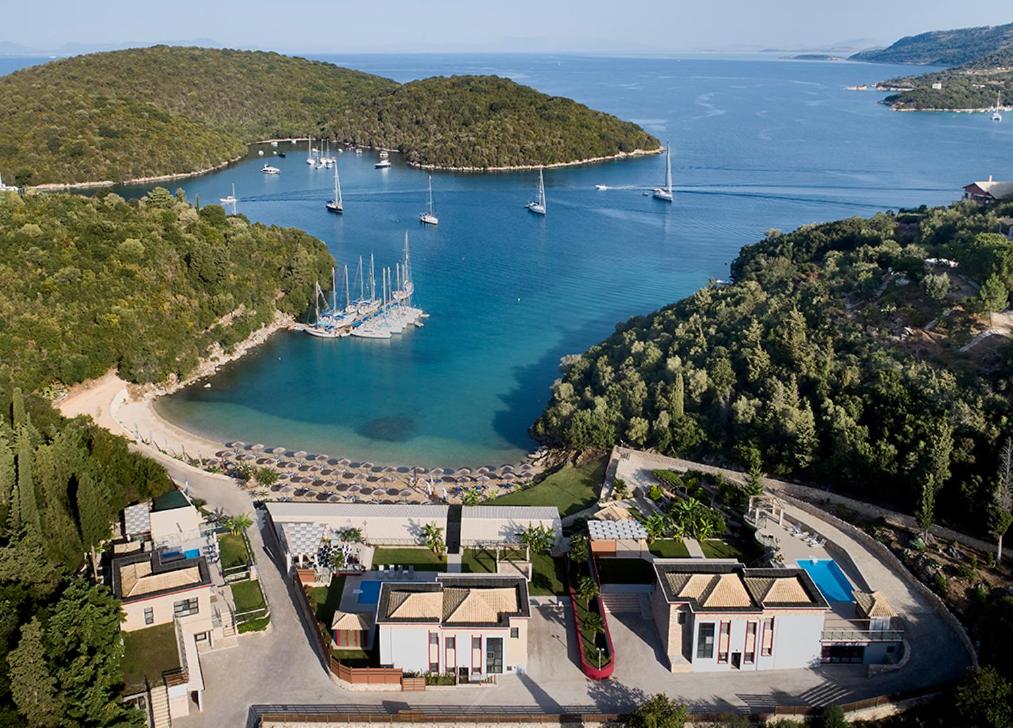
x,y
566,26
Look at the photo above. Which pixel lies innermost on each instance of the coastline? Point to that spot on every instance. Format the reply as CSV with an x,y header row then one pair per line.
x,y
555,165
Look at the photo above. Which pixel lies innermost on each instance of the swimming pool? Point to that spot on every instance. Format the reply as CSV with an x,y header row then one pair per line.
x,y
369,591
829,578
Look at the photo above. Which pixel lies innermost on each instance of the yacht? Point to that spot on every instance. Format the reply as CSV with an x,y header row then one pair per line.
x,y
601,188
230,199
334,204
384,161
268,169
665,193
309,153
997,112
429,216
538,206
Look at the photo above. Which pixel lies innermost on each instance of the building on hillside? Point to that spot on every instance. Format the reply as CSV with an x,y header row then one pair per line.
x,y
474,627
717,615
172,524
986,192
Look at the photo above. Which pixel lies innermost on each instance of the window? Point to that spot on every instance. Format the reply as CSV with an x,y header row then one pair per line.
x,y
724,638
681,617
450,643
767,648
149,615
515,632
705,641
494,655
434,652
185,608
476,655
434,639
749,657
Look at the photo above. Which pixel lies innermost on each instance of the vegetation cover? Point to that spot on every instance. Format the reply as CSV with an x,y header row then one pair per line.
x,y
943,47
148,287
834,357
975,85
169,110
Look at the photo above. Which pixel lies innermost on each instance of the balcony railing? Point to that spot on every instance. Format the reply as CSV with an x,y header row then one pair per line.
x,y
862,635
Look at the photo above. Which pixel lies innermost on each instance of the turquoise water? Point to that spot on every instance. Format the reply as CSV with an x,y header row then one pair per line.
x,y
369,592
829,578
758,144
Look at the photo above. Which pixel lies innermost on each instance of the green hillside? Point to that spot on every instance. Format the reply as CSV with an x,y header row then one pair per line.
x,y
818,364
974,85
943,47
89,283
170,110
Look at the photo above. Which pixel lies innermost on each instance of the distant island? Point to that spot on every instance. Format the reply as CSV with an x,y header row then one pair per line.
x,y
981,69
817,57
162,111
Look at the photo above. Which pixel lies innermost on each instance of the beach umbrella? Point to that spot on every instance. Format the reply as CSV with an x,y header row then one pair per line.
x,y
404,469
278,450
463,471
366,465
334,461
344,461
365,491
376,469
257,446
348,476
299,454
321,458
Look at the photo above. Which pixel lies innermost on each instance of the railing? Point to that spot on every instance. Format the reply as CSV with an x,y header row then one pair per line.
x,y
177,676
845,634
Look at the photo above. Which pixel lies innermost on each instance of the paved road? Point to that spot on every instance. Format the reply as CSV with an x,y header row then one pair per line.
x,y
280,667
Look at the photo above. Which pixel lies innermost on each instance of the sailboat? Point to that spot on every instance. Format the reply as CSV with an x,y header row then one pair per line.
x,y
334,204
429,216
326,160
538,207
665,193
309,152
230,199
997,113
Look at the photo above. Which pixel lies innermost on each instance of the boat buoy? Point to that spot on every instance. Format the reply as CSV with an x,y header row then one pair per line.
x,y
260,152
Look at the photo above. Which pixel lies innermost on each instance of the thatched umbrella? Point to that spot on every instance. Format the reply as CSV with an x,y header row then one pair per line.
x,y
365,491
300,454
463,471
376,469
257,446
404,469
278,450
344,461
348,475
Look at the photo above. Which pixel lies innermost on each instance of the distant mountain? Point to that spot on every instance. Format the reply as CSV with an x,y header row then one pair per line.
x,y
943,47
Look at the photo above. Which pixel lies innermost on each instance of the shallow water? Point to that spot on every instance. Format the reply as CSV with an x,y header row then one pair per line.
x,y
758,144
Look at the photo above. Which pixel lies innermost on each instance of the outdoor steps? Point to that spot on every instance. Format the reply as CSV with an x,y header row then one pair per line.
x,y
626,603
160,707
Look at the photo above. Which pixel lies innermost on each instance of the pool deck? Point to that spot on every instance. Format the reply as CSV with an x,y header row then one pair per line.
x,y
350,596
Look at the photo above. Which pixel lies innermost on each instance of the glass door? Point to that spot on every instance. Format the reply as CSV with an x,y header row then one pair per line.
x,y
494,655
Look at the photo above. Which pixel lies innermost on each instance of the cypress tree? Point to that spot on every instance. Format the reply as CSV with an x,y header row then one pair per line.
x,y
17,407
678,397
93,511
7,470
28,507
32,685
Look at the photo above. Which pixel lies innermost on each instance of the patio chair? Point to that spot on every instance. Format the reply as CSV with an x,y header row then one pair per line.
x,y
411,571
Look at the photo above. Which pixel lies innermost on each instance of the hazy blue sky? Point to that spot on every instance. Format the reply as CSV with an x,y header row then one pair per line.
x,y
320,26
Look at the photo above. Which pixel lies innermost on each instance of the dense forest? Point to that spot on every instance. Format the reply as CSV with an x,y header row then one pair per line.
x,y
485,121
834,357
943,47
148,287
62,483
975,85
169,110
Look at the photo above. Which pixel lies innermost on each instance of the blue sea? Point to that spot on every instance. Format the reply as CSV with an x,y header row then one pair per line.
x,y
758,143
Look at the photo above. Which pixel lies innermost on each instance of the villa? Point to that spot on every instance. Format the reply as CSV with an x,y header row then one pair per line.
x,y
473,627
717,615
985,192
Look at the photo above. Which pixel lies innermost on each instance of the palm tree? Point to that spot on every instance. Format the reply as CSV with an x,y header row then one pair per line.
x,y
539,539
337,560
238,524
587,589
594,624
619,489
353,535
471,497
432,536
579,549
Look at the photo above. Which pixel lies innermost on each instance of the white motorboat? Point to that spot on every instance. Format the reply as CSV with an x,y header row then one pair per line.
x,y
268,169
334,204
538,206
429,216
665,193
601,188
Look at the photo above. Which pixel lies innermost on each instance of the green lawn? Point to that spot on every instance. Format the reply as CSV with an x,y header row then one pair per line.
x,y
147,654
247,596
570,489
548,576
233,550
324,600
714,549
669,548
478,561
625,571
422,558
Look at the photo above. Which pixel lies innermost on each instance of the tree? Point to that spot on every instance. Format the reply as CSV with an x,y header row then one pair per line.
x,y
27,510
17,408
925,512
594,624
936,286
658,711
587,589
833,717
540,539
352,535
1000,512
237,524
92,514
8,472
267,476
33,687
984,699
678,396
579,549
992,296
657,526
432,536
337,560
620,490
754,479
471,497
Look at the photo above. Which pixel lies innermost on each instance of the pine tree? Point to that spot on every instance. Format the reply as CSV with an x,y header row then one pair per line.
x,y
32,686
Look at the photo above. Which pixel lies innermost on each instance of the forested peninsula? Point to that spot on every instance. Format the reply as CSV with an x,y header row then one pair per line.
x,y
837,356
160,111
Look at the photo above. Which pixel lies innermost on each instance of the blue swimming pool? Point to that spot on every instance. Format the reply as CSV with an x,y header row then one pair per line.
x,y
369,592
829,578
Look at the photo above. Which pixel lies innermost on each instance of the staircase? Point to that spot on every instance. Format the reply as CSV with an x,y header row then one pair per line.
x,y
159,696
627,603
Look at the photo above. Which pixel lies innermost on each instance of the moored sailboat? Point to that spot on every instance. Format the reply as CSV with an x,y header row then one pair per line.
x,y
665,193
429,216
539,206
335,204
997,112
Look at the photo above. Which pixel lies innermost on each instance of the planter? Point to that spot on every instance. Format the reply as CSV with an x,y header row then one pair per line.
x,y
412,684
589,668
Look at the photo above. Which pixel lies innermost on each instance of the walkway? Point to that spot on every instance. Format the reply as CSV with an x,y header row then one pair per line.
x,y
693,546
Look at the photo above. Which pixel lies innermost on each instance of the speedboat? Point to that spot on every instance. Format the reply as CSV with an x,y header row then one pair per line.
x,y
268,169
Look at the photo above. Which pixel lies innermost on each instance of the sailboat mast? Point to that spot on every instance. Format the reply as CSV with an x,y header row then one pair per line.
x,y
337,183
334,290
347,302
361,292
372,278
668,176
430,195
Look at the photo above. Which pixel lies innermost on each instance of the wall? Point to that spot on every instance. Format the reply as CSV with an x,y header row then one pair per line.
x,y
796,641
405,646
162,606
476,531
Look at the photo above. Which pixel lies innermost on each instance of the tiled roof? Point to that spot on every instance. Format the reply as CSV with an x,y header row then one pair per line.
x,y
415,605
730,586
611,530
455,600
874,604
779,590
143,574
511,513
137,519
478,606
352,621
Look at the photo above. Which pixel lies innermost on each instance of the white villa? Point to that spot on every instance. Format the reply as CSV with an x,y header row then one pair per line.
x,y
474,627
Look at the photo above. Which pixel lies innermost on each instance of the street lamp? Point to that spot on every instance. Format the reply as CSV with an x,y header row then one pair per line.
x,y
599,658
